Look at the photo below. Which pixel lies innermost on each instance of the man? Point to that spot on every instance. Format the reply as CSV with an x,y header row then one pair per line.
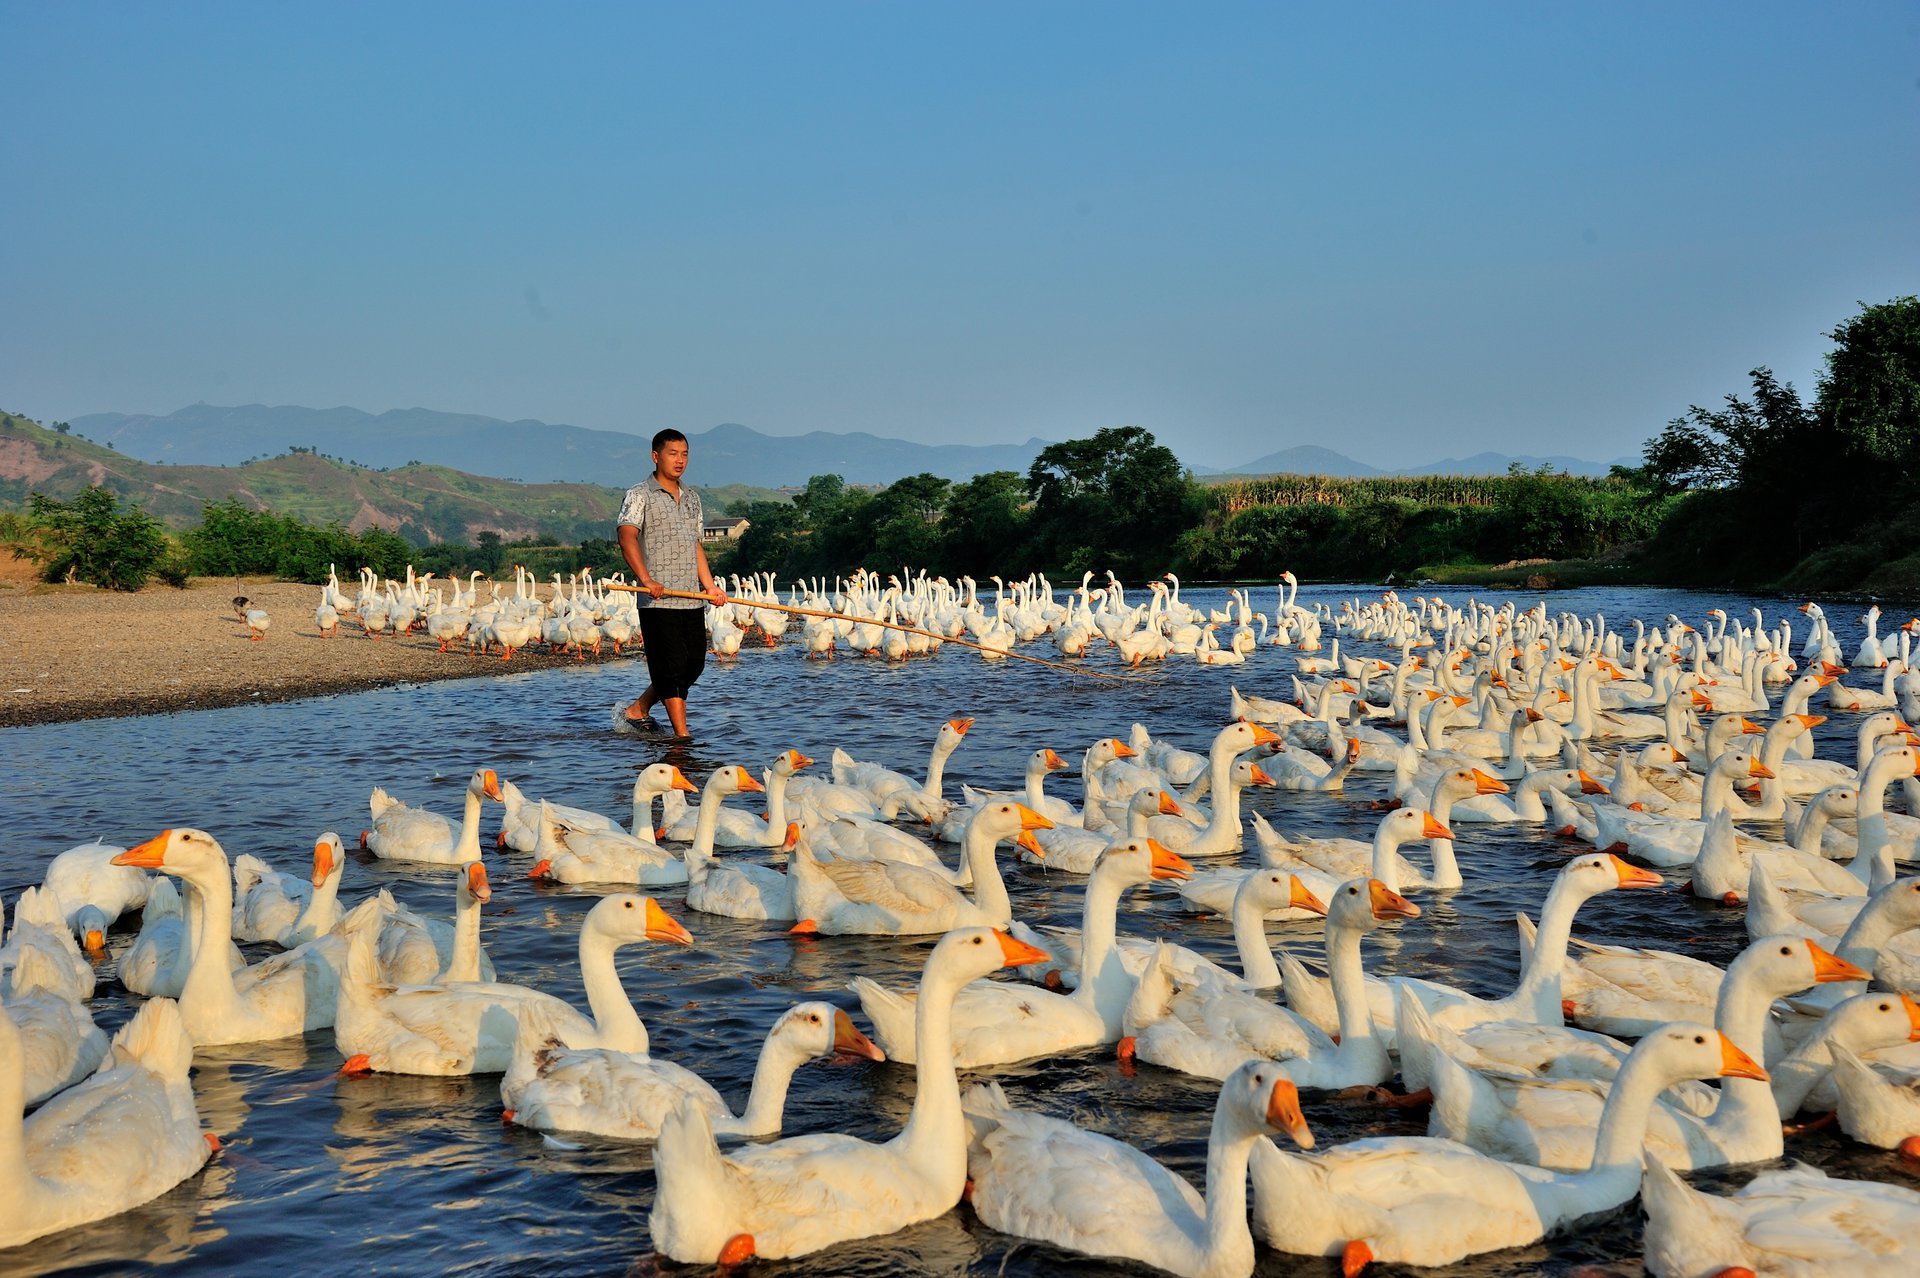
x,y
659,536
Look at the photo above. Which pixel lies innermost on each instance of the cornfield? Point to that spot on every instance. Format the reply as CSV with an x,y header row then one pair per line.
x,y
1424,490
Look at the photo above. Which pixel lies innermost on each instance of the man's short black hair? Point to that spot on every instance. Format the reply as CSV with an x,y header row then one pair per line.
x,y
668,436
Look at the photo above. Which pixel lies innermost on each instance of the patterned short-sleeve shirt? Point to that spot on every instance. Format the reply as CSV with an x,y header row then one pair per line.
x,y
669,538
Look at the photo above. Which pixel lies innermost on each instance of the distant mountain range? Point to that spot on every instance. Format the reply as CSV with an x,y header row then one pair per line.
x,y
533,451
540,452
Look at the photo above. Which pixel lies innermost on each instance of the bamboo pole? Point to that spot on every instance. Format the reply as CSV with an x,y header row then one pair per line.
x,y
873,621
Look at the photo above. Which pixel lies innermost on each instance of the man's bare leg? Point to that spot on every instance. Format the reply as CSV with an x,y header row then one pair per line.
x,y
677,714
642,710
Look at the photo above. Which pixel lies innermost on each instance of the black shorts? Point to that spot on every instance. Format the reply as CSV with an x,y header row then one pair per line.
x,y
676,648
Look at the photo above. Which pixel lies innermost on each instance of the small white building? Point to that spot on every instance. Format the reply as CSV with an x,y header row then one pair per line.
x,y
723,529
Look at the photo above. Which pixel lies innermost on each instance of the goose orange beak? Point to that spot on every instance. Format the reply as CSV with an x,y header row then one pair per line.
x,y
1053,762
323,862
1026,840
1389,904
680,782
797,761
1302,898
490,785
1262,777
1534,716
477,885
1822,680
1432,829
1263,735
150,855
1031,820
1759,769
1831,967
95,942
1735,1063
1589,785
793,837
1168,864
1484,783
1749,728
1632,876
848,1039
1018,953
960,725
662,928
1811,720
1168,807
1121,750
749,783
1283,1113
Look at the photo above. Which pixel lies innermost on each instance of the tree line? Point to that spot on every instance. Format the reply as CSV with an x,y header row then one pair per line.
x,y
1766,490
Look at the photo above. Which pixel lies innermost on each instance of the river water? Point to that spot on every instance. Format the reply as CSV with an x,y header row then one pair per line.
x,y
348,1176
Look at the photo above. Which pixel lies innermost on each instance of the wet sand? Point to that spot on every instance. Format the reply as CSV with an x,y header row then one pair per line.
x,y
76,652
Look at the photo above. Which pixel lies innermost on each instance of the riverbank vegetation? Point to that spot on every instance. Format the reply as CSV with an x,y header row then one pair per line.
x,y
1765,491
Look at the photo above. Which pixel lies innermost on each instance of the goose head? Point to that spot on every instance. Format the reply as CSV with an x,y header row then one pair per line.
x,y
90,927
1364,904
1462,783
626,918
658,778
1588,876
473,884
1867,1022
1685,1050
998,821
193,855
820,1029
731,779
1260,1098
1269,890
969,953
485,783
790,762
1409,825
329,858
1783,965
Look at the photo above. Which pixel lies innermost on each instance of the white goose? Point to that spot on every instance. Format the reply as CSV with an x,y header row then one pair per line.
x,y
416,948
626,1096
1119,1202
1210,1029
1424,1201
286,909
893,792
805,1193
283,996
741,890
841,896
60,1044
1875,1109
1551,1122
126,1135
997,1023
401,833
1796,1223
93,891
571,855
739,829
469,1027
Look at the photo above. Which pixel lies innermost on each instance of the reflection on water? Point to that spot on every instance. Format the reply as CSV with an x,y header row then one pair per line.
x,y
381,1172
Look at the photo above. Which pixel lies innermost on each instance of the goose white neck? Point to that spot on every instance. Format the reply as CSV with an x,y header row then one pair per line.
x,y
935,1137
619,1026
463,963
1229,1239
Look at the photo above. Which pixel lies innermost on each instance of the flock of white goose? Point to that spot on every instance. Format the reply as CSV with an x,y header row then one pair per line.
x,y
583,614
1565,1097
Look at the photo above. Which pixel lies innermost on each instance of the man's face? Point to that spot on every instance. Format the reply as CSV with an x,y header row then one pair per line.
x,y
671,459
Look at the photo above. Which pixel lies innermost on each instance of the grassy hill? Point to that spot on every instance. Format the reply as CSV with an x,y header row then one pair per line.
x,y
423,503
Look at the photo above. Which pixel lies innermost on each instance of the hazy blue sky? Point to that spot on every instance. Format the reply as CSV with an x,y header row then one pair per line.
x,y
1404,231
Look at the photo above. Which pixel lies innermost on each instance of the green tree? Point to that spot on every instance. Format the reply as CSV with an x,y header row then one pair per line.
x,y
1116,501
91,539
1870,391
985,527
489,552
